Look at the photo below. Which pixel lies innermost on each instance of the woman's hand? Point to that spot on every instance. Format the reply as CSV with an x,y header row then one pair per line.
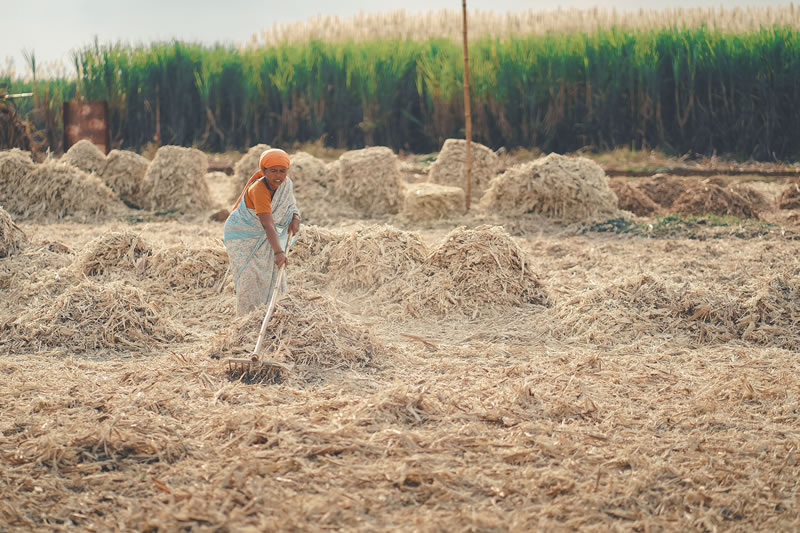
x,y
281,259
294,225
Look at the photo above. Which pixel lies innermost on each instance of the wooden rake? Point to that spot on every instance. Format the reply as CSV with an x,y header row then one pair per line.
x,y
255,368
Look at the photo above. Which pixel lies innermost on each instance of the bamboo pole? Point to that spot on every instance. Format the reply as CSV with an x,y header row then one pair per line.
x,y
467,112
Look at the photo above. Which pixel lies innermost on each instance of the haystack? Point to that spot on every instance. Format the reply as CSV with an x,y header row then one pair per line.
x,y
15,164
310,176
370,181
757,200
85,155
175,179
54,190
450,169
564,188
790,196
705,198
124,172
471,272
312,249
88,316
662,189
12,238
183,267
246,166
313,187
113,251
428,201
374,256
307,329
631,198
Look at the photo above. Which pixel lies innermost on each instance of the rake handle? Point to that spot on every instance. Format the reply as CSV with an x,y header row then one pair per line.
x,y
273,298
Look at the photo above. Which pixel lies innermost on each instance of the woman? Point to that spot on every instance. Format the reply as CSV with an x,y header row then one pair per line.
x,y
258,229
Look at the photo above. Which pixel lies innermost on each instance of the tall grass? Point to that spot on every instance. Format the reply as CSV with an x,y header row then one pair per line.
x,y
696,89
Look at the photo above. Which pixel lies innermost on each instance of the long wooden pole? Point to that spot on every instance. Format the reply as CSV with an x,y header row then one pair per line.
x,y
467,112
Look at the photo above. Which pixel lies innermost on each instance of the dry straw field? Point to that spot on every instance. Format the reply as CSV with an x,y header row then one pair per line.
x,y
510,369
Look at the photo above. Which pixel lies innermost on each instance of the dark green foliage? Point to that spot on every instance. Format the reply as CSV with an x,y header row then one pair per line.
x,y
679,90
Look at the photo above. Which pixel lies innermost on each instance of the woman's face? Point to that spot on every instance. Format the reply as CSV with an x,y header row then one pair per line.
x,y
275,175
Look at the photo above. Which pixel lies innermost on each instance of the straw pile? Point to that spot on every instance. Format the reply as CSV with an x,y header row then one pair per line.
x,y
563,188
428,201
769,312
188,267
15,164
310,177
12,238
631,198
314,189
124,172
175,179
85,155
89,316
662,189
757,200
789,198
629,310
704,198
312,248
247,165
450,169
114,251
374,257
370,181
471,272
307,329
54,190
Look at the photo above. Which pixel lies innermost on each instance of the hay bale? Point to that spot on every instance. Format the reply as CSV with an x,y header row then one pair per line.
x,y
85,155
12,238
450,169
112,251
175,179
370,180
705,198
790,196
183,267
124,172
15,164
310,175
54,190
564,188
332,169
758,200
308,329
88,316
471,272
428,201
662,189
631,198
246,166
313,187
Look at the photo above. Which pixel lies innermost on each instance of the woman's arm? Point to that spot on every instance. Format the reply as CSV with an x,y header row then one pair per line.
x,y
272,237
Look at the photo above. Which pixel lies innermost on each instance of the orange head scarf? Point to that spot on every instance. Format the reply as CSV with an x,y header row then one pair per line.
x,y
272,158
269,158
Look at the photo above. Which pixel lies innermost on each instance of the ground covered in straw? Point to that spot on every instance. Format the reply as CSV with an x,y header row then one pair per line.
x,y
469,374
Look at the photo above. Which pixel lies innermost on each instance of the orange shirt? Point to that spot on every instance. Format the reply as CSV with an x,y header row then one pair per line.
x,y
258,197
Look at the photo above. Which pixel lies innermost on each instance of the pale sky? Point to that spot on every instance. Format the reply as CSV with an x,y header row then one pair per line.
x,y
51,28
